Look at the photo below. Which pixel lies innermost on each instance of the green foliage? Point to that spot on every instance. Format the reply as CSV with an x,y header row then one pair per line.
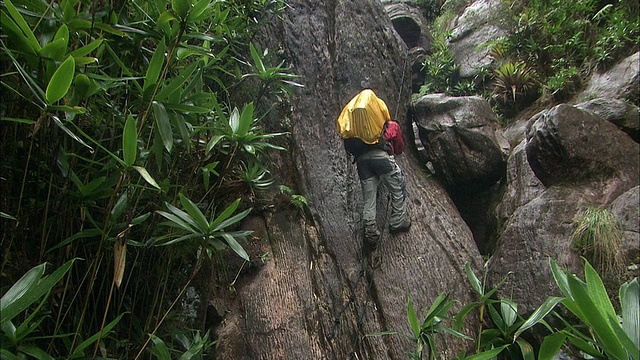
x,y
430,8
34,287
119,117
512,79
563,83
599,332
607,336
598,237
506,326
208,235
424,331
559,36
441,70
297,200
442,73
185,346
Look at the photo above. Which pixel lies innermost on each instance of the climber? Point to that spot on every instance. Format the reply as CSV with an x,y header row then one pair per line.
x,y
373,138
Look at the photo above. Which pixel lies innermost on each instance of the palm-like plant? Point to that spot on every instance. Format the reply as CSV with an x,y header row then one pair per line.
x,y
513,78
208,235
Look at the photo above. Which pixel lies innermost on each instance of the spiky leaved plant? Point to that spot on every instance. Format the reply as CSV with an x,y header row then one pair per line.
x,y
513,79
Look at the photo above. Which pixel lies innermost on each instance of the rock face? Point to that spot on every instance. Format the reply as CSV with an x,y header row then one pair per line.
x,y
315,299
471,31
575,159
622,114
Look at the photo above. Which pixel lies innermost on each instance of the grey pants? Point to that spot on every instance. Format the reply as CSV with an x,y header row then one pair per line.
x,y
375,167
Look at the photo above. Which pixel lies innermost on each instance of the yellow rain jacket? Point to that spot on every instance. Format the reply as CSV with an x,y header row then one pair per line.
x,y
363,117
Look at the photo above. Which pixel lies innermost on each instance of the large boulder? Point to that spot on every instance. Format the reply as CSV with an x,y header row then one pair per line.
x,y
626,209
459,141
624,115
460,138
566,145
620,82
522,185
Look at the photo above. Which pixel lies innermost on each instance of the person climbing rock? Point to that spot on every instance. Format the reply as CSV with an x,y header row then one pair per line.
x,y
374,139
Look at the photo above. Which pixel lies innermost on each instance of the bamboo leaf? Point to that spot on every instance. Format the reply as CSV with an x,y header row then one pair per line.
x,y
177,82
539,314
188,109
213,142
199,10
627,343
87,49
61,81
181,8
155,65
129,142
487,355
551,345
22,24
55,50
230,221
458,319
181,239
235,246
34,352
183,215
20,288
193,210
526,349
69,110
177,222
75,137
596,319
246,120
215,224
160,349
78,352
560,277
29,289
630,304
17,120
412,318
83,24
585,346
473,279
509,311
598,293
119,207
147,177
257,59
119,260
164,125
87,233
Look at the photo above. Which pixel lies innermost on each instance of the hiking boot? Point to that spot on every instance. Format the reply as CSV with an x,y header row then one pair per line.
x,y
371,234
404,227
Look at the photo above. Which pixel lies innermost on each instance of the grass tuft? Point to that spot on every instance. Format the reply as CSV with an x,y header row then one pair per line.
x,y
598,237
